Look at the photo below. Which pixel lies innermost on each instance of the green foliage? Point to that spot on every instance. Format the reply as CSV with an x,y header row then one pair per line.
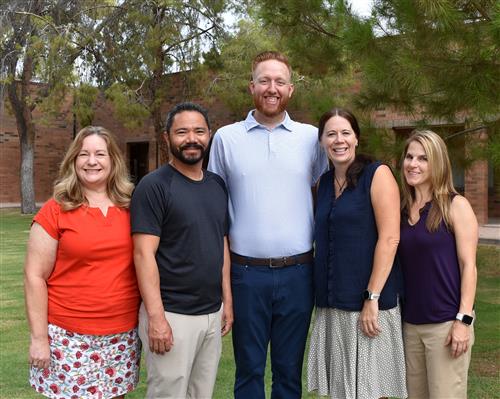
x,y
486,149
140,42
313,92
38,41
381,143
127,108
37,45
83,105
230,81
438,58
302,23
493,148
430,59
318,95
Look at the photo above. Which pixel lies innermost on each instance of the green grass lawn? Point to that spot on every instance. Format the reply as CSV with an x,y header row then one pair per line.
x,y
484,377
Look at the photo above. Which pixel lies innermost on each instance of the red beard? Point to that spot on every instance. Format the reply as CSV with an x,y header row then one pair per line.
x,y
270,111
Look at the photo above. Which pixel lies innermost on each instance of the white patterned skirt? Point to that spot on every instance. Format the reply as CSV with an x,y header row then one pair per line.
x,y
89,366
345,363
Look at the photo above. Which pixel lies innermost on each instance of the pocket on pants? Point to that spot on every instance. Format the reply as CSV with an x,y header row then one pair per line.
x,y
237,273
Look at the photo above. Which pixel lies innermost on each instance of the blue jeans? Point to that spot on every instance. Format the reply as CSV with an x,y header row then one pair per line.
x,y
271,305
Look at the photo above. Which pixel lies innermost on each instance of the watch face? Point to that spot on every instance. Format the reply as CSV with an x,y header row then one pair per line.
x,y
467,319
370,295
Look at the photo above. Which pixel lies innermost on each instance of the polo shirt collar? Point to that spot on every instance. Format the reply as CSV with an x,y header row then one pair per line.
x,y
251,122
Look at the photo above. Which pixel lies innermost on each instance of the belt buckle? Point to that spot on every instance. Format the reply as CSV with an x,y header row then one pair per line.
x,y
283,259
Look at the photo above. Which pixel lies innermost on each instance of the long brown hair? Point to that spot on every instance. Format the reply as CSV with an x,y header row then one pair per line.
x,y
68,190
442,188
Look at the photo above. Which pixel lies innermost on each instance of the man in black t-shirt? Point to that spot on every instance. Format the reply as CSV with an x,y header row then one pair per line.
x,y
179,225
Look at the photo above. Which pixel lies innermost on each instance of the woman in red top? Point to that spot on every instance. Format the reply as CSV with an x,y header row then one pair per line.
x,y
81,290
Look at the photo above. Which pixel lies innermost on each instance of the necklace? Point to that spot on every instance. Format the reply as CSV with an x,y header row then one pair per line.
x,y
340,186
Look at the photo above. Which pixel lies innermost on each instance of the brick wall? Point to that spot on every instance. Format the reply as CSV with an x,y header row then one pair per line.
x,y
494,200
476,189
476,176
105,116
476,181
54,135
52,140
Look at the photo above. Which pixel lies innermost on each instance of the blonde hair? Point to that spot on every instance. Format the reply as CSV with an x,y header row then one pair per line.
x,y
442,188
68,190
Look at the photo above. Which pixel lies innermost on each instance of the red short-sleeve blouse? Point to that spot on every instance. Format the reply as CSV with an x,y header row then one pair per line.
x,y
93,287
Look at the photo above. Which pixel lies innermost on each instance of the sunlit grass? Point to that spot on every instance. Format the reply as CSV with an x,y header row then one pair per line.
x,y
484,381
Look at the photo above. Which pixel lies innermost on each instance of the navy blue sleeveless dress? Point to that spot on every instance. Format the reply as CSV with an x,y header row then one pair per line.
x,y
343,362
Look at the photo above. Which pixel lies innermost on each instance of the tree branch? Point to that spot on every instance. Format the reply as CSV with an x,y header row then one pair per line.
x,y
481,10
316,26
49,23
472,129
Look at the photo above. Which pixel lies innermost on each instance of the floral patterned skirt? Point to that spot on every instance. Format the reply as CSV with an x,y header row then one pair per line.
x,y
89,366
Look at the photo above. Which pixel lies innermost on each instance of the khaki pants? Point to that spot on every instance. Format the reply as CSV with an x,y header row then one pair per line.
x,y
431,371
190,368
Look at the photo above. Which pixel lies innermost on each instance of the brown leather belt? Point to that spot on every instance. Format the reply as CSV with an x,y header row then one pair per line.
x,y
306,257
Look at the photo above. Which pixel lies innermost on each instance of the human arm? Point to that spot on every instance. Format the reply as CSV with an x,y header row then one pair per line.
x,y
216,162
319,167
466,235
385,202
227,297
40,259
160,334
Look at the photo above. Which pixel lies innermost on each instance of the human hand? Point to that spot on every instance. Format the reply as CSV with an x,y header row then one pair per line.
x,y
39,353
227,318
368,319
160,335
458,338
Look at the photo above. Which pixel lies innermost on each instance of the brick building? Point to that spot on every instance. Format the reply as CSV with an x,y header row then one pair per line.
x,y
142,151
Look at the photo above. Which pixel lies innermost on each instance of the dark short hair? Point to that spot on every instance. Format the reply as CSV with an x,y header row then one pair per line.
x,y
348,115
185,106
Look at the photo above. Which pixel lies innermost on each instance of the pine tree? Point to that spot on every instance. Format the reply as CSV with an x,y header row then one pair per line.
x,y
144,41
37,45
433,59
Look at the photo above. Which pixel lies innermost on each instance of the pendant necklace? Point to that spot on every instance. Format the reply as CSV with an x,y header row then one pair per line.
x,y
341,186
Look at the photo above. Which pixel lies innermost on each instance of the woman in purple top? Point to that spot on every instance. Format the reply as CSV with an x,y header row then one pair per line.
x,y
439,234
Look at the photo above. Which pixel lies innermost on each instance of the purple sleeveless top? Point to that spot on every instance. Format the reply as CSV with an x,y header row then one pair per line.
x,y
430,271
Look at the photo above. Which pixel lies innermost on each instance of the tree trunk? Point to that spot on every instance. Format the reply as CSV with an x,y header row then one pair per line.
x,y
156,85
159,130
26,132
27,141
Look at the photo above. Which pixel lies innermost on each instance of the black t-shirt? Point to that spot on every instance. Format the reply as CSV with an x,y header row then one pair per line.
x,y
190,217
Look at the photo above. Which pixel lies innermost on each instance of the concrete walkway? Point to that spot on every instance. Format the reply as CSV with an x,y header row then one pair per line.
x,y
489,233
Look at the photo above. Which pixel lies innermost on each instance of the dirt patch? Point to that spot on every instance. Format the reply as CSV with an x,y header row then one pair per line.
x,y
486,365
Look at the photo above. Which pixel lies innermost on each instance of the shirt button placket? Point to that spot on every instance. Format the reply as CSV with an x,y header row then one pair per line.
x,y
331,255
270,146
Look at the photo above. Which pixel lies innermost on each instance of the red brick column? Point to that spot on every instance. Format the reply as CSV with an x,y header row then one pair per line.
x,y
476,182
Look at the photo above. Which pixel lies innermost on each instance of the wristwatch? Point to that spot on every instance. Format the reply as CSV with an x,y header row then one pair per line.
x,y
465,318
370,295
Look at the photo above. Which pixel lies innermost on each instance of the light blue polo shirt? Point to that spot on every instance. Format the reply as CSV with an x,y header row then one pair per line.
x,y
269,174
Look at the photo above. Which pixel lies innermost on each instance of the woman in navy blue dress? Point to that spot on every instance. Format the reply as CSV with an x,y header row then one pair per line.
x,y
356,346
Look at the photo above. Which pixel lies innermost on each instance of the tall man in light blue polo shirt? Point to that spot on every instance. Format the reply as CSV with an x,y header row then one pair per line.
x,y
269,163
